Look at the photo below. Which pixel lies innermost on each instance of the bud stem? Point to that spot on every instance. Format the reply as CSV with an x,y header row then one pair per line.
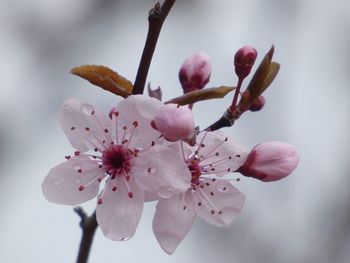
x,y
235,98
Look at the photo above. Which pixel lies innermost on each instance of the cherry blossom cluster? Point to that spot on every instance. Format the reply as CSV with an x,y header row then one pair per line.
x,y
145,150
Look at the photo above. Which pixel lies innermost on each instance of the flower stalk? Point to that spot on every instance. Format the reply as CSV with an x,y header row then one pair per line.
x,y
156,18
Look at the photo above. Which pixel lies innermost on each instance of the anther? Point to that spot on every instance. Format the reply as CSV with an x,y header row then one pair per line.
x,y
79,170
202,145
226,139
130,194
135,123
220,212
127,177
199,204
72,128
212,212
211,193
125,128
184,207
77,153
87,128
100,201
81,188
106,130
67,157
114,188
238,155
116,113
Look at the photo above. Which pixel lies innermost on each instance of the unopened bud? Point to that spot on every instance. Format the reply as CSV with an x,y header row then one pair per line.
x,y
195,72
174,122
270,161
244,61
257,104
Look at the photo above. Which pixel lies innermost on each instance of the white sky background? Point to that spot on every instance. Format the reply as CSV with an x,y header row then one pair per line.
x,y
304,218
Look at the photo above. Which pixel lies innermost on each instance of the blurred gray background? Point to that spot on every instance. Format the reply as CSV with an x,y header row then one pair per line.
x,y
304,218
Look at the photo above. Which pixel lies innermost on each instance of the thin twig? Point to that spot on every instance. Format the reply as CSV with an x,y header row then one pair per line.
x,y
88,225
156,19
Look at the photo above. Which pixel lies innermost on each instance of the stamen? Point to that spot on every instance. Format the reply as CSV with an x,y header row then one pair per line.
x,y
201,142
115,125
135,124
208,199
97,178
101,195
147,148
218,162
130,194
213,150
109,139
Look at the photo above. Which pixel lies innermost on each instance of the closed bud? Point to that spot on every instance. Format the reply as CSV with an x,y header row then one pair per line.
x,y
270,161
174,122
195,72
244,61
257,104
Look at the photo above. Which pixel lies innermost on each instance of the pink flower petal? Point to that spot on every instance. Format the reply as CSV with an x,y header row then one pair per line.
x,y
141,109
225,154
83,123
173,219
163,171
119,214
219,203
62,183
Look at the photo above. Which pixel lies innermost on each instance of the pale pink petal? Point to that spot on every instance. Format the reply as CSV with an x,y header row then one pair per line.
x,y
218,203
138,109
84,125
173,219
62,183
119,214
150,196
162,170
220,154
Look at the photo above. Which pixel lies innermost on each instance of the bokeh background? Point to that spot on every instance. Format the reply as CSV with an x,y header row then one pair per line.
x,y
304,218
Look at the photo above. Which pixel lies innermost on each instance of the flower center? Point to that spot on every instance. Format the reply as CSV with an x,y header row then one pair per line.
x,y
116,160
195,170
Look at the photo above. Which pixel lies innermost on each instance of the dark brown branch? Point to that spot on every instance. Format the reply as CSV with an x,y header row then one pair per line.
x,y
88,225
156,19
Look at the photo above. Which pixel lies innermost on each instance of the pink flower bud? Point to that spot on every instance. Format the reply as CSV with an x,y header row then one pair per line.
x,y
174,122
195,72
244,61
257,104
270,161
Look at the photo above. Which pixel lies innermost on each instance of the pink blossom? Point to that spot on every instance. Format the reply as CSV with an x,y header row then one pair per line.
x,y
212,198
174,122
124,154
244,61
270,161
195,72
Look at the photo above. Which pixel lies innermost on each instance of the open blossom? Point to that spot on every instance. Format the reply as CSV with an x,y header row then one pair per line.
x,y
270,161
213,199
124,154
174,122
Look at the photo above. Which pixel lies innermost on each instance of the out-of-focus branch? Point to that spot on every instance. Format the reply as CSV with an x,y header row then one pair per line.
x,y
156,19
88,225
